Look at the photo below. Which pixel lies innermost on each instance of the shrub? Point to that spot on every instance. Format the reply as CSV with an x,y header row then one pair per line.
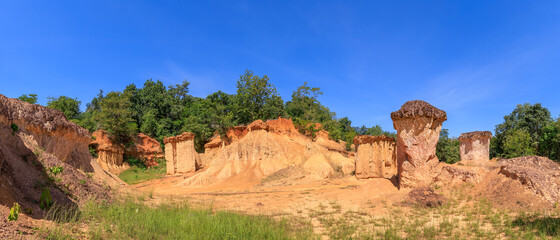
x,y
56,170
14,128
46,200
14,212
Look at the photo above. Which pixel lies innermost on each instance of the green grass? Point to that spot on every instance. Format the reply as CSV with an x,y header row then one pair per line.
x,y
136,174
130,219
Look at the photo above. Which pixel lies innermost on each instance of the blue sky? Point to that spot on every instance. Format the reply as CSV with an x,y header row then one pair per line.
x,y
474,59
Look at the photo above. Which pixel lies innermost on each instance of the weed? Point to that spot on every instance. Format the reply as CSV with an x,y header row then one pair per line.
x,y
46,200
56,170
14,212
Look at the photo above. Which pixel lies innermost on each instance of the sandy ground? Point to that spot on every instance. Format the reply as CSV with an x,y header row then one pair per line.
x,y
370,195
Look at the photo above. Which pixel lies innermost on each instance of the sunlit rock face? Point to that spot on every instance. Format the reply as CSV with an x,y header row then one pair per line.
x,y
475,145
50,130
109,154
180,155
375,157
418,125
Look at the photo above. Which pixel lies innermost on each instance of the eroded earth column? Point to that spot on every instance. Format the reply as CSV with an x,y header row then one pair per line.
x,y
475,145
180,155
418,125
375,157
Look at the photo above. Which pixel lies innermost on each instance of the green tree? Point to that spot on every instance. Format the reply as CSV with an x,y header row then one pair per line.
x,y
305,106
89,119
69,106
158,110
518,143
30,98
256,99
550,141
115,116
447,149
206,117
341,129
530,118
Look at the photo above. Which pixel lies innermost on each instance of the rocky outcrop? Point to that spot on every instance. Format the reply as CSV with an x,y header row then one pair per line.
x,y
50,129
180,155
322,138
475,145
455,174
418,125
282,126
539,175
146,149
375,157
41,150
109,154
264,149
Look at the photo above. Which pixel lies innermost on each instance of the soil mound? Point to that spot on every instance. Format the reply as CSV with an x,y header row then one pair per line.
x,y
425,197
266,148
539,175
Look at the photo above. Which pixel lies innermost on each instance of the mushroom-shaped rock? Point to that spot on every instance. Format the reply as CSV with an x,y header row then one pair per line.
x,y
375,156
180,155
475,145
418,125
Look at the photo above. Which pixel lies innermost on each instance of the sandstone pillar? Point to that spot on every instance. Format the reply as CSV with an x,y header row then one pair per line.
x,y
418,125
375,157
180,155
475,145
109,154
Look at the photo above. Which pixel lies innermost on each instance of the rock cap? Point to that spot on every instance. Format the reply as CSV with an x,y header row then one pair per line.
x,y
258,125
179,138
476,135
365,139
418,108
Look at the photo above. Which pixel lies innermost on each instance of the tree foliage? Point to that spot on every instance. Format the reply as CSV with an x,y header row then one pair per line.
x,y
161,111
30,98
256,99
447,149
115,116
69,106
518,143
528,130
305,106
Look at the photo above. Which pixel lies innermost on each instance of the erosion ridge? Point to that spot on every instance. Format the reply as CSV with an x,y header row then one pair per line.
x,y
263,148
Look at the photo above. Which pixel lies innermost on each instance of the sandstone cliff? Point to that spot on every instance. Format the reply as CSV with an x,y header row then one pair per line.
x,y
109,154
50,129
40,149
146,149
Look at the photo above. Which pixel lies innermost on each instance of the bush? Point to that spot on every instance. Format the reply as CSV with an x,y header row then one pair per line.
x,y
14,212
46,200
56,170
14,128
